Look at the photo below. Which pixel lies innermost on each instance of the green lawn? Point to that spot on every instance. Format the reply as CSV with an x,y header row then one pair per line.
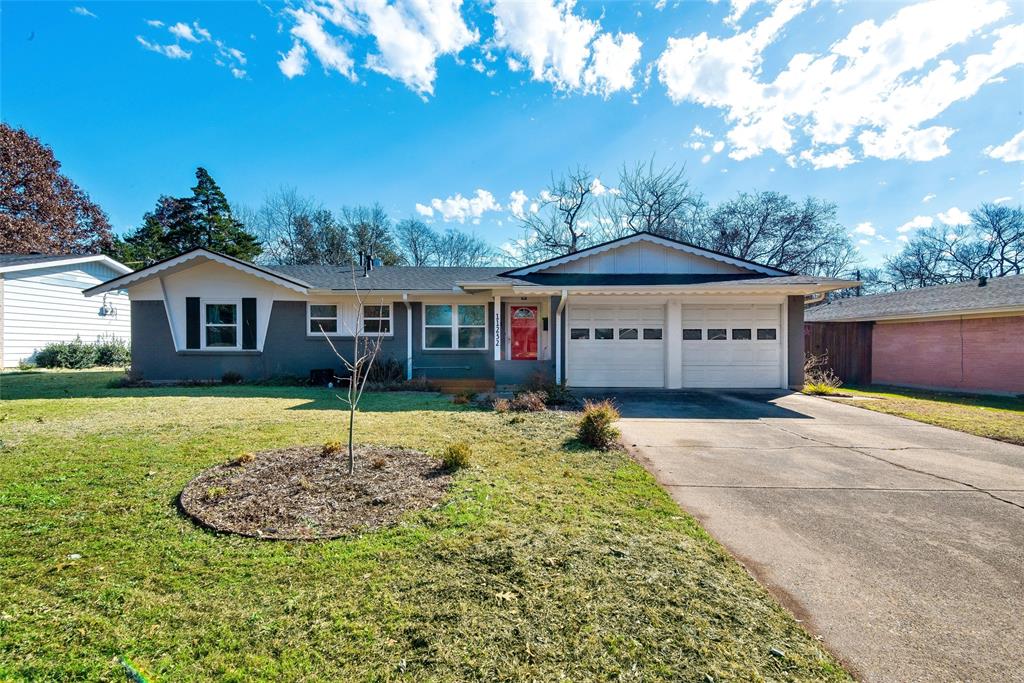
x,y
545,562
994,417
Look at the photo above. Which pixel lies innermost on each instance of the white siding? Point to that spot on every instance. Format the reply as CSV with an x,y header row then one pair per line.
x,y
645,257
46,305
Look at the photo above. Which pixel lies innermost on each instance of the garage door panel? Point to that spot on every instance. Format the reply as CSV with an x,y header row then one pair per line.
x,y
621,361
745,358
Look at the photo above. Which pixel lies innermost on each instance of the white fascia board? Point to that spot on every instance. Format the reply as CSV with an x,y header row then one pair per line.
x,y
654,239
69,261
683,289
152,271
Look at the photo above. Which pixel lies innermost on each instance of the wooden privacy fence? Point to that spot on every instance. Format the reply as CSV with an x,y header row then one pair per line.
x,y
846,346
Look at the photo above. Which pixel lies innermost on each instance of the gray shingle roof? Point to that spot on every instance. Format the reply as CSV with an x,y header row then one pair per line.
x,y
23,259
390,278
962,297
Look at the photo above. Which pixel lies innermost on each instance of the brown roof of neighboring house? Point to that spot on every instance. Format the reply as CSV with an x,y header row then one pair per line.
x,y
997,294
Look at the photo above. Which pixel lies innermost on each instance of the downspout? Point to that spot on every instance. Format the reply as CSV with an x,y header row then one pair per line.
x,y
558,336
408,336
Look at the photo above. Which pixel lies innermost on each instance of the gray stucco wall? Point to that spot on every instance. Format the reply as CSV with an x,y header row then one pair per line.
x,y
795,326
287,350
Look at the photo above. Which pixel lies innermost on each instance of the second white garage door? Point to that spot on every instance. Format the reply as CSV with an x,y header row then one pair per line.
x,y
615,345
732,346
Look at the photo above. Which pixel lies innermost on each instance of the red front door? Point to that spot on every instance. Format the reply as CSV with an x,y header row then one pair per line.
x,y
524,332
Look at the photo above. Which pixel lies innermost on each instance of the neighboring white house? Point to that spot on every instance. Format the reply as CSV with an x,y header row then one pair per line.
x,y
41,301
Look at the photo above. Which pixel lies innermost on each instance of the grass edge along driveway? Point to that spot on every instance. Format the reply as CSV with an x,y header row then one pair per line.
x,y
546,561
994,417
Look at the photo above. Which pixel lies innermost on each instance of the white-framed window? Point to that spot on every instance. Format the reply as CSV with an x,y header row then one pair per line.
x,y
337,319
377,319
323,318
221,324
455,326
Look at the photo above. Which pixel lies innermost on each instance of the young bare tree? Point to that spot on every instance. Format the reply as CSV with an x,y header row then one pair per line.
x,y
656,200
365,348
564,220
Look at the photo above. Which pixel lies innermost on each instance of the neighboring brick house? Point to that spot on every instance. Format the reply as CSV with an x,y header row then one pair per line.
x,y
967,336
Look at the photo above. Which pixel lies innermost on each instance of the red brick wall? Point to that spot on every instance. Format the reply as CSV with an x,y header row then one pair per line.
x,y
976,354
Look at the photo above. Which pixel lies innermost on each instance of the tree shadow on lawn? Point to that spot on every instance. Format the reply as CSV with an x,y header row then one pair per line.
x,y
35,384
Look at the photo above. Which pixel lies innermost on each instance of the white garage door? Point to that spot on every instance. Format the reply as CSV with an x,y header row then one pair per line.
x,y
735,346
615,346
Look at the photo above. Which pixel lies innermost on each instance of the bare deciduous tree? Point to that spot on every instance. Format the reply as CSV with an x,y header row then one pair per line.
x,y
564,220
416,240
457,248
656,200
773,229
364,352
279,224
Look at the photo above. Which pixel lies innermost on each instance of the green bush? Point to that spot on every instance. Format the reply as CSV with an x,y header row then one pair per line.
x,y
596,427
74,354
113,352
456,455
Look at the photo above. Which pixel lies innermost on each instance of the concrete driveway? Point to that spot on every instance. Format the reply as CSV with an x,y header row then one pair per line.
x,y
900,544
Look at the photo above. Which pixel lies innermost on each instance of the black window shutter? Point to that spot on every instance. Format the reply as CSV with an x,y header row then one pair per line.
x,y
248,323
192,322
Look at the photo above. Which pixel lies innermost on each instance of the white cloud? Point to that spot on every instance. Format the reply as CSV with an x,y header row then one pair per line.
x,y
879,84
927,198
295,62
409,36
701,133
954,216
155,23
865,229
564,49
459,208
864,242
1011,150
1002,200
516,203
170,51
424,210
83,12
718,147
837,158
332,53
916,223
611,67
598,188
705,159
238,73
903,238
695,145
184,32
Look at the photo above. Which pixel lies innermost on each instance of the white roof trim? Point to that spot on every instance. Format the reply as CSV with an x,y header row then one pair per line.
x,y
824,285
671,244
138,276
69,261
953,313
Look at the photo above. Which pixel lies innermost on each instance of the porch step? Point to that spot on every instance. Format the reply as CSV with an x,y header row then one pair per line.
x,y
456,386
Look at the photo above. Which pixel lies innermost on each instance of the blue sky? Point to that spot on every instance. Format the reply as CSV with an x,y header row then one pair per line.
x,y
904,114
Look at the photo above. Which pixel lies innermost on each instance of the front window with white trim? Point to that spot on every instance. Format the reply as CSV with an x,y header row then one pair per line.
x,y
220,325
334,319
448,326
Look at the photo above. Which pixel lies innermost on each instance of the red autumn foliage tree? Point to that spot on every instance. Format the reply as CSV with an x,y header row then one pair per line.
x,y
42,210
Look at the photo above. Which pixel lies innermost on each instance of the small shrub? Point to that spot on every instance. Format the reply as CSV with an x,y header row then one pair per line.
x,y
113,352
556,394
596,428
215,492
129,380
231,377
74,354
24,365
502,405
529,402
244,458
456,455
819,379
378,463
463,397
386,371
332,448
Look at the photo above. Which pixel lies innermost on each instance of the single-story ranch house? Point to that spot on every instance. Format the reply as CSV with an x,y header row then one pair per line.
x,y
41,302
641,311
967,336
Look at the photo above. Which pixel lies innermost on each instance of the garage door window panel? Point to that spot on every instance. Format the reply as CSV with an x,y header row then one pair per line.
x,y
741,334
604,333
579,333
766,334
693,334
716,334
628,333
652,334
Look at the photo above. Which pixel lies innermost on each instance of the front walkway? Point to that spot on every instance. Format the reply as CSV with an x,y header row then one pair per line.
x,y
900,544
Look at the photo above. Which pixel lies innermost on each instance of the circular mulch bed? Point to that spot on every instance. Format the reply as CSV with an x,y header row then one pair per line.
x,y
301,494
